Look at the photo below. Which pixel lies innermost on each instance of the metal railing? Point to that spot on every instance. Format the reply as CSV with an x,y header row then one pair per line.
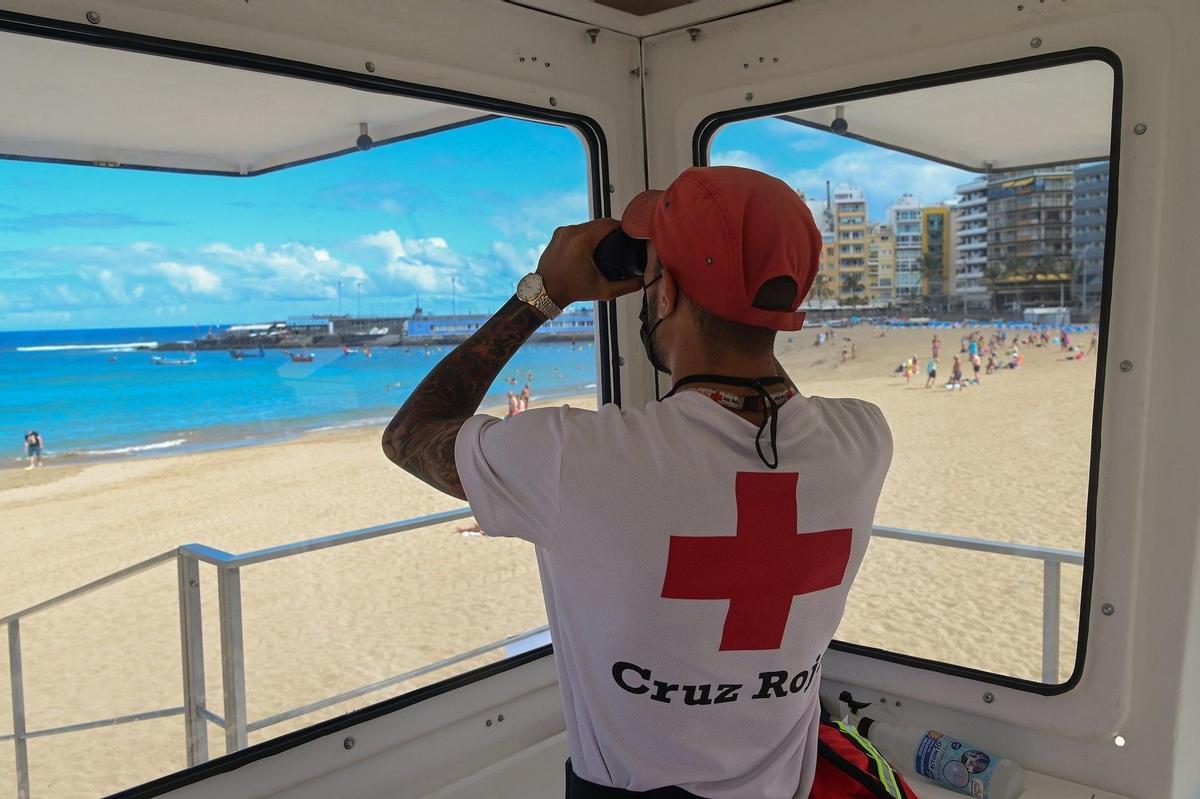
x,y
234,720
1052,561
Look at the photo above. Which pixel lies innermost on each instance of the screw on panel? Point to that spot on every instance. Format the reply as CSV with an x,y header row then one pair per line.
x,y
370,65
620,360
635,71
749,96
746,66
553,101
694,33
1139,128
500,717
93,17
487,723
1035,42
612,189
1126,366
545,63
348,742
593,33
1107,609
989,697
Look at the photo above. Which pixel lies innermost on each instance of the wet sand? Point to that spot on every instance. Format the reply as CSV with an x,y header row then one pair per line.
x,y
1005,460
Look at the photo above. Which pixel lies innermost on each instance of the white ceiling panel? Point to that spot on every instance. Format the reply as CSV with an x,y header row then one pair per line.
x,y
92,104
1051,115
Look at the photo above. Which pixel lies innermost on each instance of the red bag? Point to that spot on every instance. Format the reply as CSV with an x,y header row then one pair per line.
x,y
849,767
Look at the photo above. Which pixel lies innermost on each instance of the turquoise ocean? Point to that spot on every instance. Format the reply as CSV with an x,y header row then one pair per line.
x,y
96,394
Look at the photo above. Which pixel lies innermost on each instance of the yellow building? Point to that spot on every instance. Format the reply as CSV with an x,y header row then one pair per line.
x,y
881,264
937,255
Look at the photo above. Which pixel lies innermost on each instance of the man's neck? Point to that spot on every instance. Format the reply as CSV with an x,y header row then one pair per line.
x,y
744,368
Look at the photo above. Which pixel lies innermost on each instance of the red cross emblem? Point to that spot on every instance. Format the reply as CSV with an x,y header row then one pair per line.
x,y
761,568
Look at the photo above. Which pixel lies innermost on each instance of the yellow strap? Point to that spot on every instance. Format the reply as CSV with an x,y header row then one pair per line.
x,y
886,775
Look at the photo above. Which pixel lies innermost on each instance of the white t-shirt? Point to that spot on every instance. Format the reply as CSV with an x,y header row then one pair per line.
x,y
691,590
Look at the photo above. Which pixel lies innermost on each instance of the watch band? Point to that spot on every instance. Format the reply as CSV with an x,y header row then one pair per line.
x,y
546,305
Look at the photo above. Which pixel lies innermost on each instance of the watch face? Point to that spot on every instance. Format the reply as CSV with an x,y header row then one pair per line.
x,y
529,287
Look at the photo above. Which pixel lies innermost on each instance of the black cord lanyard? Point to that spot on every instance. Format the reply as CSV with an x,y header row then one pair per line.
x,y
759,384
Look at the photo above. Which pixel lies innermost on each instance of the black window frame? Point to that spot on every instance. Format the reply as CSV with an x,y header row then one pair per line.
x,y
596,148
713,123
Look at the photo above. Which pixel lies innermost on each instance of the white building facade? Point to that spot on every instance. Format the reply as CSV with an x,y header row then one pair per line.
x,y
970,245
904,217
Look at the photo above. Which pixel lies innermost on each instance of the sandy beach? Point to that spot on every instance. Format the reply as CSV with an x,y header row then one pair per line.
x,y
1005,460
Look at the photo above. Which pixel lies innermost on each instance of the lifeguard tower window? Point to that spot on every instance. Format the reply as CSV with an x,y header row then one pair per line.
x,y
963,289
200,352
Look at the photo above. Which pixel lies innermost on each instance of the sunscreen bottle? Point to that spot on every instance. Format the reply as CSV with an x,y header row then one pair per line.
x,y
946,761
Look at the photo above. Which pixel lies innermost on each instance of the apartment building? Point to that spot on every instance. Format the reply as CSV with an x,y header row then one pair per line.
x,y
904,218
970,215
1090,225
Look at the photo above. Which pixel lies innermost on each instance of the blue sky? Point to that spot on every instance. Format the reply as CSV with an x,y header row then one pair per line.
x,y
806,158
470,208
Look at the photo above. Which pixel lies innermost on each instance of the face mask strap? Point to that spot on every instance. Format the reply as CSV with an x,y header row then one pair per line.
x,y
647,335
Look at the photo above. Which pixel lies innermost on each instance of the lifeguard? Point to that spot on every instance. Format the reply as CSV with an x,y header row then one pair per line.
x,y
695,553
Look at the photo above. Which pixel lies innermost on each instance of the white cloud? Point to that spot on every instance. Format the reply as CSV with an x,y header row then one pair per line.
x,y
537,217
742,158
519,263
290,271
423,264
66,295
883,175
190,278
114,287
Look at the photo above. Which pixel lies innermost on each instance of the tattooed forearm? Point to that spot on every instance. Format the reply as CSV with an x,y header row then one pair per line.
x,y
420,439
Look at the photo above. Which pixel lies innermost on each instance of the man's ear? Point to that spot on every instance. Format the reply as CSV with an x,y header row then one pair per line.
x,y
668,295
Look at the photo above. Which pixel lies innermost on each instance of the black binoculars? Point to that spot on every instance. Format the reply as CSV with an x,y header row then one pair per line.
x,y
619,257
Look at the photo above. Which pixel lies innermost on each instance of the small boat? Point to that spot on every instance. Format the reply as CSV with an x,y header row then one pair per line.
x,y
301,357
159,360
239,355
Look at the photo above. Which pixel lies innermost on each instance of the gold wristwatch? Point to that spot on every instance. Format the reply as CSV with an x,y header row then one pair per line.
x,y
532,290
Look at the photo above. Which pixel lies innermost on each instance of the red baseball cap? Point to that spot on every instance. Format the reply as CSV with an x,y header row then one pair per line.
x,y
724,231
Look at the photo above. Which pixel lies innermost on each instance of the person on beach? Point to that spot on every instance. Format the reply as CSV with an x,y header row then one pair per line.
x,y
956,379
638,514
930,372
936,345
514,404
976,364
33,449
